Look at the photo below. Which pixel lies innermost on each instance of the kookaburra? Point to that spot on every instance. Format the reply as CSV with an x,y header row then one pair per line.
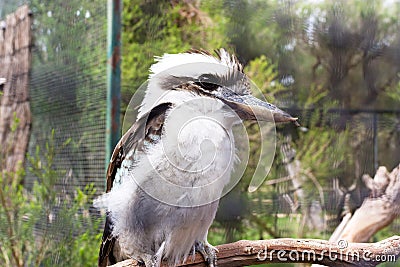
x,y
168,171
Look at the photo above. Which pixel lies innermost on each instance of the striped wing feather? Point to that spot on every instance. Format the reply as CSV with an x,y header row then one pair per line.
x,y
142,130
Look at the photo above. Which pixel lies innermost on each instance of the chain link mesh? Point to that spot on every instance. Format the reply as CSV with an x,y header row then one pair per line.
x,y
68,86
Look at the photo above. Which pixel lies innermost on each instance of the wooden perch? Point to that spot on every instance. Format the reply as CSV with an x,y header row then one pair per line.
x,y
287,250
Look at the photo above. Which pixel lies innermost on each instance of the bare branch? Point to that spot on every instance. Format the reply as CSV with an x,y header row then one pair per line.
x,y
377,211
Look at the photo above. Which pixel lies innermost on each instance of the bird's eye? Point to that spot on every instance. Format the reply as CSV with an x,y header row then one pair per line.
x,y
208,82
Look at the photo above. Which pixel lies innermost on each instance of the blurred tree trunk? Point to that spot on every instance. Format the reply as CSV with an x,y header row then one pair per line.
x,y
15,115
311,211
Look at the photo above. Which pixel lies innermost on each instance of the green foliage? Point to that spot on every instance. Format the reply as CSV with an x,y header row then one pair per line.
x,y
42,227
69,69
394,93
54,29
264,75
323,151
152,28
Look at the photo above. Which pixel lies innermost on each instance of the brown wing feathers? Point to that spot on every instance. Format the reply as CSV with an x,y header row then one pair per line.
x,y
143,130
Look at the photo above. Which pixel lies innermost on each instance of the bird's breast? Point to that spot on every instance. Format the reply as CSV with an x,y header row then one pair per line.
x,y
191,163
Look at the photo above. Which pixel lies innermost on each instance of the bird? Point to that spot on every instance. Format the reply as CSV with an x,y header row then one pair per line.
x,y
167,172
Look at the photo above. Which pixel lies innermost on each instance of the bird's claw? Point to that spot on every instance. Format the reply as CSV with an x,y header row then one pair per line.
x,y
154,260
208,252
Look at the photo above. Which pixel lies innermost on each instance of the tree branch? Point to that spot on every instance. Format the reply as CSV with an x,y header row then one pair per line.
x,y
287,250
379,210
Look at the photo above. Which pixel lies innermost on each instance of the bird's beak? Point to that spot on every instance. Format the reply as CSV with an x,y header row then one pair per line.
x,y
249,107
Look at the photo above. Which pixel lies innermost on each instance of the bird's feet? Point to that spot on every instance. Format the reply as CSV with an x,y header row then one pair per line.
x,y
208,252
154,260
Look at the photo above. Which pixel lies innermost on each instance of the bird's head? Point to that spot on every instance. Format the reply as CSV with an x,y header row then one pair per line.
x,y
178,78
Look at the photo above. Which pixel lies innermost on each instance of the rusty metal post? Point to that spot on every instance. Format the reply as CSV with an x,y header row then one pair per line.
x,y
375,140
113,128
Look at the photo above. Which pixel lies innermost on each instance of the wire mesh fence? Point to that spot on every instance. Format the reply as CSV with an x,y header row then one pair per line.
x,y
68,86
